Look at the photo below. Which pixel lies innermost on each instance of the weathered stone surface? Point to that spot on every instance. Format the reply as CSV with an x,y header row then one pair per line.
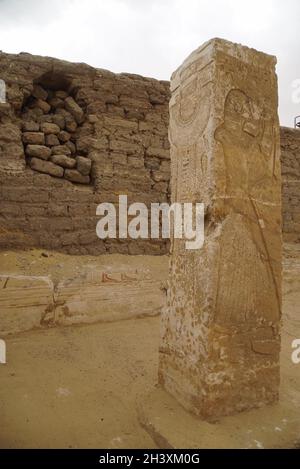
x,y
9,133
75,176
83,144
74,109
50,128
159,176
152,163
52,140
46,167
39,92
64,161
61,150
59,120
64,136
45,118
71,124
110,296
61,94
24,301
121,290
83,165
38,151
43,105
5,109
30,126
123,145
56,103
121,123
220,340
34,114
158,152
135,162
33,138
71,147
11,149
290,167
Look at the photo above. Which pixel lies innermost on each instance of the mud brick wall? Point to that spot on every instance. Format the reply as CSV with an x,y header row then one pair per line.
x,y
290,167
118,136
58,118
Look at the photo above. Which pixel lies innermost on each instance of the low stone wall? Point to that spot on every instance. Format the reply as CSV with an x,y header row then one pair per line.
x,y
87,290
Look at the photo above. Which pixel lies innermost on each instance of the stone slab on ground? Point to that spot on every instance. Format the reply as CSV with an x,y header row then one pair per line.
x,y
41,289
108,298
24,301
170,426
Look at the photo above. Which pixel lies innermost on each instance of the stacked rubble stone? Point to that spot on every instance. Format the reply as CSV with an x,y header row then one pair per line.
x,y
51,119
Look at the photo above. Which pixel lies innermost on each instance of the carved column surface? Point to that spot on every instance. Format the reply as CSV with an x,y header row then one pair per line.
x,y
220,337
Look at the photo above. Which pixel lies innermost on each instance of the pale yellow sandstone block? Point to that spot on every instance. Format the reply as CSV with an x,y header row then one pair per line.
x,y
220,338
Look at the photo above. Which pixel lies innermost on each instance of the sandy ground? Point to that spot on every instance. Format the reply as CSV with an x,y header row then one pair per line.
x,y
77,386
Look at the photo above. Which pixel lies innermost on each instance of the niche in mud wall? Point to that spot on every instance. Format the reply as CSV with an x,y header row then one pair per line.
x,y
51,120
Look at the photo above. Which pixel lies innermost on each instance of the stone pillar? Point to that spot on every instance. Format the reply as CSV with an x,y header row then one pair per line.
x,y
220,338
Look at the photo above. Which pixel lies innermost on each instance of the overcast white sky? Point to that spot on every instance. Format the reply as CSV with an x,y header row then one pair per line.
x,y
153,37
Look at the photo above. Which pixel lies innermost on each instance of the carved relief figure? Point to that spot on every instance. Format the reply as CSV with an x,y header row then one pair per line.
x,y
190,108
248,172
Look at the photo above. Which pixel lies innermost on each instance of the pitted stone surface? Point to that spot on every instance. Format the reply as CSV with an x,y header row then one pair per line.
x,y
220,339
